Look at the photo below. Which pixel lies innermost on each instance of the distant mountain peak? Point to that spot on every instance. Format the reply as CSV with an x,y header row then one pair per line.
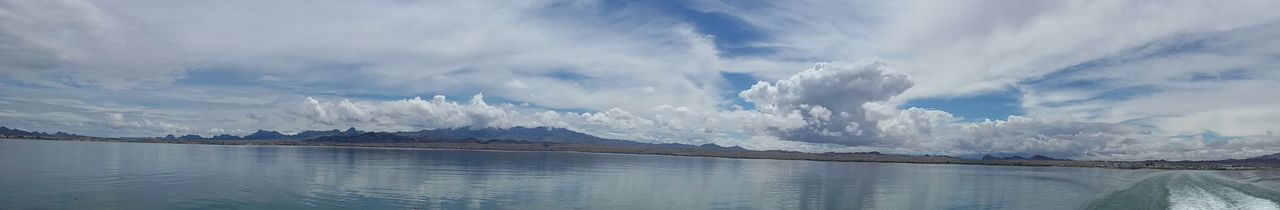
x,y
265,134
1042,157
1275,156
224,137
14,132
190,137
718,147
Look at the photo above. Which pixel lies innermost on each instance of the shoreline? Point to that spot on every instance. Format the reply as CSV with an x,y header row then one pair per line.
x,y
737,154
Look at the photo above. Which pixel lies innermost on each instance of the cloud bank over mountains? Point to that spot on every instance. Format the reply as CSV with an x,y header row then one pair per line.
x,y
831,103
1085,79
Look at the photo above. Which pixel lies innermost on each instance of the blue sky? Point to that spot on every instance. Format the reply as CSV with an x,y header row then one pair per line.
x,y
1082,79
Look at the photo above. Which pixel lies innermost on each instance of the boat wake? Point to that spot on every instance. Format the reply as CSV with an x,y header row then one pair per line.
x,y
1190,190
1204,192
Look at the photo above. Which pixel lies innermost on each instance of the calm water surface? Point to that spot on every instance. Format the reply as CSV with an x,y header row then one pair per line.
x,y
102,175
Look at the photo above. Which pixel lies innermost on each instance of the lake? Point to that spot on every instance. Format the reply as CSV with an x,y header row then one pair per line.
x,y
110,175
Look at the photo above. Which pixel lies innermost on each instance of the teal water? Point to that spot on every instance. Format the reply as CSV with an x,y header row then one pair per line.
x,y
103,175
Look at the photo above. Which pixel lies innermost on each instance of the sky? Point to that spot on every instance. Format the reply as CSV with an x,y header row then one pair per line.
x,y
1102,80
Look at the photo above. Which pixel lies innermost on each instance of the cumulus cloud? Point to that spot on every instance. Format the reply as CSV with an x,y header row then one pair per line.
x,y
118,121
935,131
414,113
830,97
843,103
835,103
667,123
664,123
931,130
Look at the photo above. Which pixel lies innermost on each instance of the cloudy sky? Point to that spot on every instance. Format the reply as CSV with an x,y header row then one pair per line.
x,y
1077,79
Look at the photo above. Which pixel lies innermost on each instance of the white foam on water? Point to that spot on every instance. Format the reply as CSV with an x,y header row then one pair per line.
x,y
1206,195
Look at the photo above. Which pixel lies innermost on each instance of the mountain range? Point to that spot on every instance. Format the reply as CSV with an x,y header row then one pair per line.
x,y
268,135
1015,157
1267,157
6,132
516,134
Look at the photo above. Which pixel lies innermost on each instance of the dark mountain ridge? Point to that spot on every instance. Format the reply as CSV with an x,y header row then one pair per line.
x,y
463,134
474,135
1271,157
310,134
547,138
1015,157
519,133
6,132
265,135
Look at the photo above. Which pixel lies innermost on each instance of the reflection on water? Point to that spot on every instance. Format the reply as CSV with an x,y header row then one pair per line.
x,y
62,174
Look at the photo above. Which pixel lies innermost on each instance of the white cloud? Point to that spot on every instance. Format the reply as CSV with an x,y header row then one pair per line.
x,y
936,132
1133,62
830,97
59,43
118,121
410,114
388,47
666,124
1212,78
995,49
813,106
409,48
959,48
